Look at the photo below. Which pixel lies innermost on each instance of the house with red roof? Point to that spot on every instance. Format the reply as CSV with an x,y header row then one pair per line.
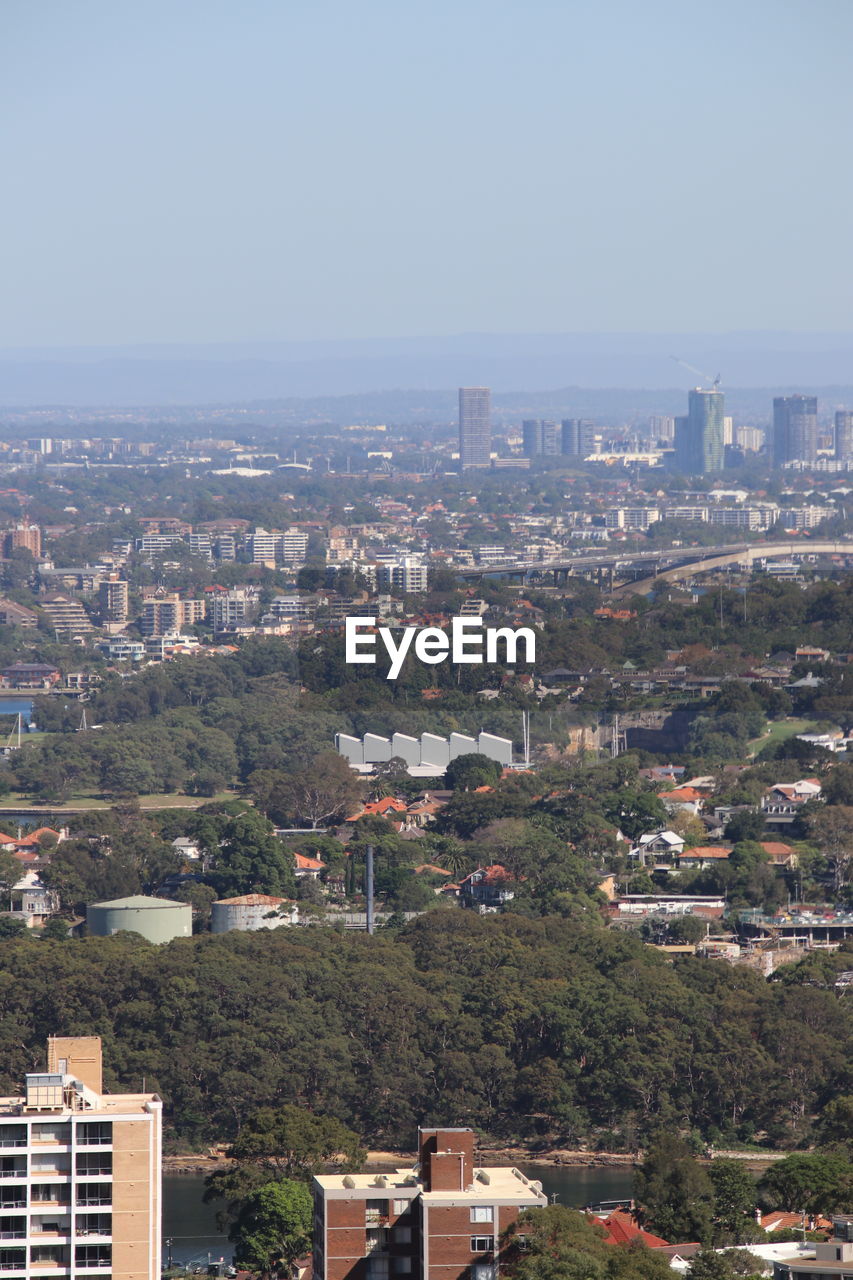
x,y
621,1228
487,889
307,868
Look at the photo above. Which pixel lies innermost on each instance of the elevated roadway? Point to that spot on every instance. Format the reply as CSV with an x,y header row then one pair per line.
x,y
669,563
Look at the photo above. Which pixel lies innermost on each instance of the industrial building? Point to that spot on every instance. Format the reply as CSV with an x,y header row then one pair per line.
x,y
427,756
156,919
441,1220
81,1188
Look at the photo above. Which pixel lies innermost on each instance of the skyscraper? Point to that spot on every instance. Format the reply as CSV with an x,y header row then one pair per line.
x,y
844,435
539,438
475,427
577,434
794,429
699,448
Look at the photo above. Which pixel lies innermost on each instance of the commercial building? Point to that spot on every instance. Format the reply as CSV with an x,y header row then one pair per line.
x,y
441,1220
699,447
81,1190
794,429
475,427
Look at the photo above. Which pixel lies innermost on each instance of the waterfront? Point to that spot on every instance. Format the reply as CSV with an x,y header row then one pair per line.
x,y
191,1224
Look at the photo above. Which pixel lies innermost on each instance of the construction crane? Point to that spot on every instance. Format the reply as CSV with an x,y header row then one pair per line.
x,y
715,382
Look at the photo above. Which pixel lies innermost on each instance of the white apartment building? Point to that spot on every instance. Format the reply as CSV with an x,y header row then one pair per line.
x,y
294,547
80,1185
229,609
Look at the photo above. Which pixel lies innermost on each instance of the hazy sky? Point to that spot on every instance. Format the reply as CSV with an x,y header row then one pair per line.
x,y
194,170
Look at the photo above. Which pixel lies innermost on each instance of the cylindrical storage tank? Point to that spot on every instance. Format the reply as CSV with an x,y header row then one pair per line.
x,y
251,911
157,919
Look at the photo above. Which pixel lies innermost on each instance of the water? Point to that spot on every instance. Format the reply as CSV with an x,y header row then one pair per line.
x,y
191,1224
11,707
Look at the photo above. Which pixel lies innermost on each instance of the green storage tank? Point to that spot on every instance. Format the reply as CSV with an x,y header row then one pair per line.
x,y
157,919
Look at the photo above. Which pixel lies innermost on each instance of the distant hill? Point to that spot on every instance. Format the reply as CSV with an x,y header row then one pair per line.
x,y
247,373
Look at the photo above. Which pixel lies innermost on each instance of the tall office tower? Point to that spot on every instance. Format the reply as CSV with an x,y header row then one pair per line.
x,y
576,437
539,438
81,1189
699,448
794,429
475,427
844,435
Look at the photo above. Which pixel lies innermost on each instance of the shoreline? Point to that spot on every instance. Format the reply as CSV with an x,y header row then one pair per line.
x,y
200,1164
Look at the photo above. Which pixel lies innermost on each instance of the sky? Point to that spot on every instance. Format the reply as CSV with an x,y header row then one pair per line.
x,y
198,171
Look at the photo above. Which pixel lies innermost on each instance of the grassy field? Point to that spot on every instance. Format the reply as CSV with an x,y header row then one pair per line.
x,y
15,801
780,730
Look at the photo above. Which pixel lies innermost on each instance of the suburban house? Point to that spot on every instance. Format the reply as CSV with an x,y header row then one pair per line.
x,y
658,848
702,857
781,804
686,798
32,901
441,1220
487,889
307,868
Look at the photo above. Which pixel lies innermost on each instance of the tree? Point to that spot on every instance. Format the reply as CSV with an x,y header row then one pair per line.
x,y
273,1225
675,1192
288,1142
810,1184
745,824
832,828
471,770
734,1200
557,1243
323,790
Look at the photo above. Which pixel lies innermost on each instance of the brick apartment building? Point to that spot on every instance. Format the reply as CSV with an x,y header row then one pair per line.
x,y
441,1220
79,1173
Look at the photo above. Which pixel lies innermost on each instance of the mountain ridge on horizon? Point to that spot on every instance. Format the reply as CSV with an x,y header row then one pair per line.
x,y
230,373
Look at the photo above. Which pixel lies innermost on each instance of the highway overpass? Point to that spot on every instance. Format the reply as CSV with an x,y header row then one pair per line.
x,y
669,563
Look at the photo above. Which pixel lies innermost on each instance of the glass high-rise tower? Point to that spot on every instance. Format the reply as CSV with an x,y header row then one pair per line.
x,y
844,435
699,447
475,427
794,429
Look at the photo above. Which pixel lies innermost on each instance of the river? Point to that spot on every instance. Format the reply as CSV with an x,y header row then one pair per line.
x,y
191,1224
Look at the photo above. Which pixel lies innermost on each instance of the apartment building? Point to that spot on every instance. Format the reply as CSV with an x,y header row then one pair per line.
x,y
166,613
80,1191
441,1220
113,599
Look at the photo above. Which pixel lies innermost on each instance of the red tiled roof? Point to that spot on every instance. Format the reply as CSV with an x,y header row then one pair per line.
x,y
304,863
621,1229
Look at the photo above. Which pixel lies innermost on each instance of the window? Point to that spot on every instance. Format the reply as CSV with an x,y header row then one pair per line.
x,y
402,1266
402,1235
92,1134
401,1206
482,1244
482,1213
